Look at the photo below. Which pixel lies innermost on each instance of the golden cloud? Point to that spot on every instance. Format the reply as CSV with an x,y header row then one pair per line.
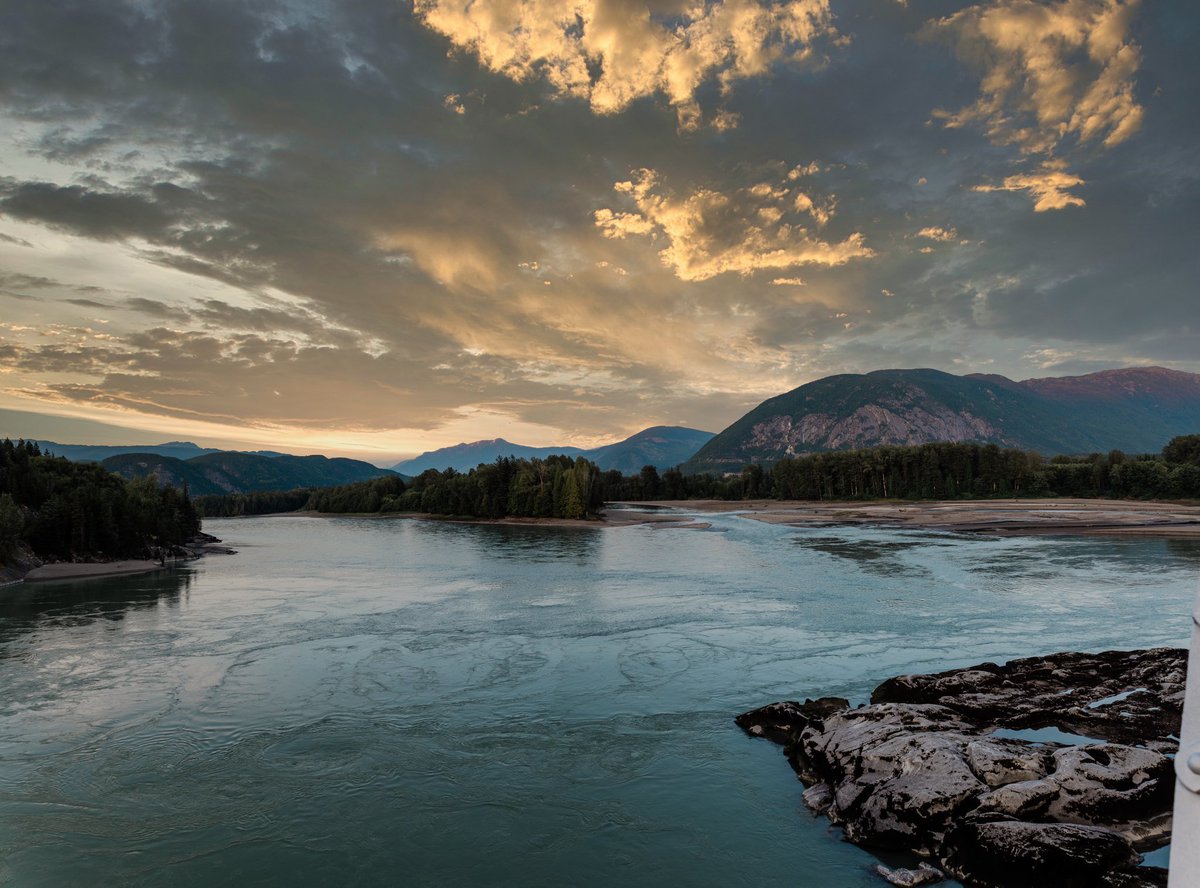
x,y
612,52
709,232
1055,75
1049,185
938,233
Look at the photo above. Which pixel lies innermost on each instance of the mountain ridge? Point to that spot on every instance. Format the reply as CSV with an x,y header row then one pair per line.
x,y
233,472
660,446
1134,409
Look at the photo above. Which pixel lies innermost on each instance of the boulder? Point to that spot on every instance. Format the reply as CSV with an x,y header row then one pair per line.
x,y
920,770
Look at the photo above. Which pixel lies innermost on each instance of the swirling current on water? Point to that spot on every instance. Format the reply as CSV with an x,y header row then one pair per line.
x,y
356,701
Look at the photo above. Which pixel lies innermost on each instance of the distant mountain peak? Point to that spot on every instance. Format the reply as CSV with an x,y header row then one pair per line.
x,y
1136,409
660,446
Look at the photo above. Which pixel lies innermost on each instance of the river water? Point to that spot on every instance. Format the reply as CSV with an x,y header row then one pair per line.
x,y
395,702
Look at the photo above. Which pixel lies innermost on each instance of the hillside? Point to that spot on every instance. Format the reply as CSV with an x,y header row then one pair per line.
x,y
100,452
659,446
1136,410
463,457
228,472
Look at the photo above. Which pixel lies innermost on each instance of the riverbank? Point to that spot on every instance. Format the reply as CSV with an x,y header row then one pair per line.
x,y
1016,517
197,547
620,517
1000,517
69,570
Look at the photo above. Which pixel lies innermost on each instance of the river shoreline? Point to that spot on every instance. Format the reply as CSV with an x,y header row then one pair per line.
x,y
1002,517
999,517
196,548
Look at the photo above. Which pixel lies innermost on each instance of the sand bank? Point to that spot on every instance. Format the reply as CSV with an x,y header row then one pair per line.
x,y
78,571
1052,516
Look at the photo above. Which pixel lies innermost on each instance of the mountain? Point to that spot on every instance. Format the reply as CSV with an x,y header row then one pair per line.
x,y
660,446
1137,410
463,457
229,472
98,452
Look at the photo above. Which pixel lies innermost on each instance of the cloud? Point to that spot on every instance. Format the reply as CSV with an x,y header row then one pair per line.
x,y
1050,186
285,187
709,232
83,210
610,53
938,233
1055,77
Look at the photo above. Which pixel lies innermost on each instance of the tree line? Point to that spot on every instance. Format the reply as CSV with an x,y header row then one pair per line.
x,y
554,487
63,510
933,471
562,487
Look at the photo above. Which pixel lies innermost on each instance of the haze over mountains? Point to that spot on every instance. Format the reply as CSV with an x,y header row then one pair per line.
x,y
658,446
100,452
232,472
1136,410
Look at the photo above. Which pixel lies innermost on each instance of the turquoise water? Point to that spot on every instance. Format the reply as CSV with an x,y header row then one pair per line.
x,y
369,702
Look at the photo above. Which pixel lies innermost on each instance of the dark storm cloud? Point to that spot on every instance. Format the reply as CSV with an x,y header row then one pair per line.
x,y
405,219
83,211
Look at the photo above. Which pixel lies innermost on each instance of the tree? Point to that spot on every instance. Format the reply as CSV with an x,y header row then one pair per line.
x,y
1183,449
12,522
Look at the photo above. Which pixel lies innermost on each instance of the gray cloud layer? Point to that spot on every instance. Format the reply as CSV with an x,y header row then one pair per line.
x,y
408,215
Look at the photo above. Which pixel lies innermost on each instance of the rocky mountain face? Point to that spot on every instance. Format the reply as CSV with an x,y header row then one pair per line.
x,y
659,446
1137,410
229,472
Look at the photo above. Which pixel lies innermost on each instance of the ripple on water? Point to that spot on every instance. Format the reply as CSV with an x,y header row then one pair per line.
x,y
352,701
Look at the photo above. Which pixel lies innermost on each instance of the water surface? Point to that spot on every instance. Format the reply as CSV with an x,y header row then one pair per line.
x,y
365,702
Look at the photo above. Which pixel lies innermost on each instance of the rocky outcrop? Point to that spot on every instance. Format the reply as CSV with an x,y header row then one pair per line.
x,y
920,768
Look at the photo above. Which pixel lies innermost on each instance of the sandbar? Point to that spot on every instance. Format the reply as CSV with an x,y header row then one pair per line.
x,y
80,570
1000,516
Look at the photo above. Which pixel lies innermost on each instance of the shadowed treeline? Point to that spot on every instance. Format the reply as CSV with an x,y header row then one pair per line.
x,y
62,510
560,487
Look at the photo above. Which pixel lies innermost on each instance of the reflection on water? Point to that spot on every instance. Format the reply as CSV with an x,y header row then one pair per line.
x,y
32,606
523,542
363,701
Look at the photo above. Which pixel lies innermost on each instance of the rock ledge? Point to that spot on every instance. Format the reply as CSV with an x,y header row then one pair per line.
x,y
923,769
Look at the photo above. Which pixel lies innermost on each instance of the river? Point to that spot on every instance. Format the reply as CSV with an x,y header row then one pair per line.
x,y
355,701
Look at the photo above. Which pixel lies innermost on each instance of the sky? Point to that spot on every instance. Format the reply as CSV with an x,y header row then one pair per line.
x,y
374,228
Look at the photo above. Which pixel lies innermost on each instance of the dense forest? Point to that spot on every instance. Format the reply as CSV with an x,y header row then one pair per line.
x,y
562,487
64,510
237,505
933,471
555,487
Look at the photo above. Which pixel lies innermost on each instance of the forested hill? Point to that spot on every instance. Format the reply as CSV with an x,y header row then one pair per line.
x,y
1136,410
231,472
555,487
936,471
658,446
65,510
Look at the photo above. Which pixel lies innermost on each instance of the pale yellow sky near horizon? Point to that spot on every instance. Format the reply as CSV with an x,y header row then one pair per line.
x,y
361,230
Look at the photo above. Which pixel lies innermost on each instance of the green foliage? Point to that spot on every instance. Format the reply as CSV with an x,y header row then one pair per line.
x,y
555,487
71,509
933,471
1183,449
12,522
236,505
